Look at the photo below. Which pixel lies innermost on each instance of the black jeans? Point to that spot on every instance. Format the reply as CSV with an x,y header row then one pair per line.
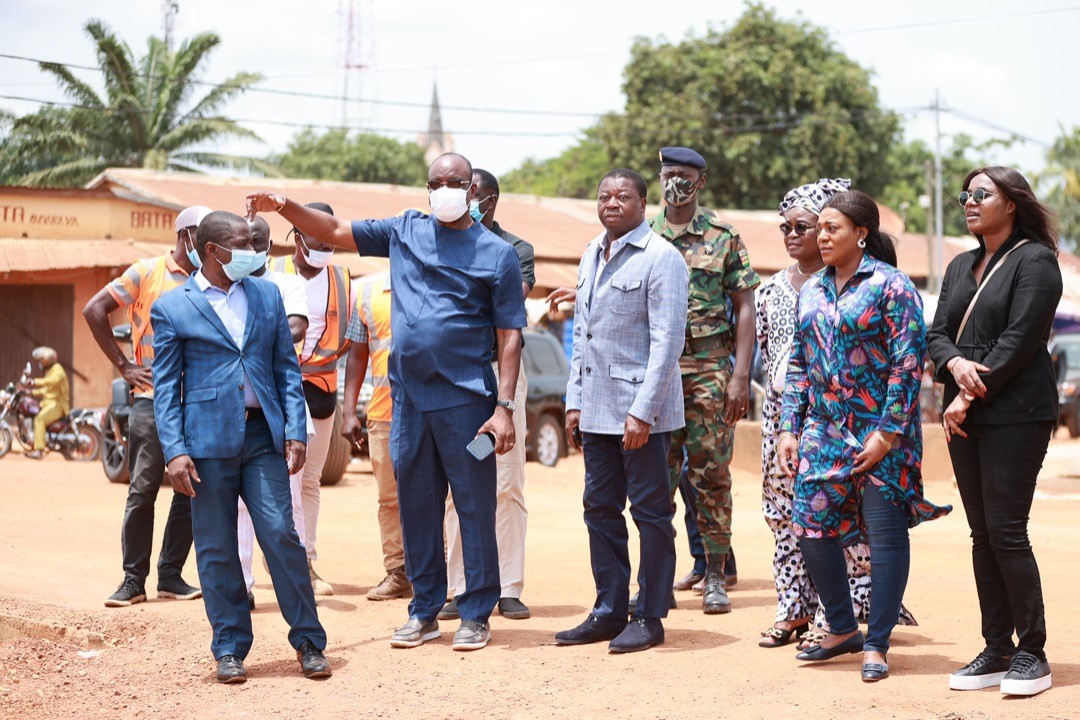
x,y
147,464
890,562
996,468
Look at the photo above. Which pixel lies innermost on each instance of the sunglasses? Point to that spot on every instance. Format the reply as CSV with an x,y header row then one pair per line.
x,y
976,196
453,184
799,228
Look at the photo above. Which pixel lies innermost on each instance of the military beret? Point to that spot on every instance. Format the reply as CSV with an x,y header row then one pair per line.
x,y
682,156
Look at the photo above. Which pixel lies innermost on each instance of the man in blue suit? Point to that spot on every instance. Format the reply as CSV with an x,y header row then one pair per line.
x,y
623,401
230,415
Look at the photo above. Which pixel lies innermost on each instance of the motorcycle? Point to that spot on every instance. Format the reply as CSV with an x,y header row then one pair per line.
x,y
76,436
114,434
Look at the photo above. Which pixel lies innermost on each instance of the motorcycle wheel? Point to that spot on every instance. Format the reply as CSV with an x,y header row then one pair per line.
x,y
5,439
114,456
89,447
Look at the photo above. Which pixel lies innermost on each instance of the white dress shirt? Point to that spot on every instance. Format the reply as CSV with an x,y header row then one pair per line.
x,y
232,309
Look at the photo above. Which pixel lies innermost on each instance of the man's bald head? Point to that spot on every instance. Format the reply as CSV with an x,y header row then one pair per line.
x,y
450,164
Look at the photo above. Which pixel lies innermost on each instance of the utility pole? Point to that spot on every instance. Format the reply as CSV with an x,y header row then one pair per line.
x,y
939,214
170,8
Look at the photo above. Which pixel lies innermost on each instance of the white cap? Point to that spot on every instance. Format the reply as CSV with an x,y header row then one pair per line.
x,y
191,217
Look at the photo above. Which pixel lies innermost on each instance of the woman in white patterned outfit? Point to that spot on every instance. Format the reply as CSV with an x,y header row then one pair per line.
x,y
797,606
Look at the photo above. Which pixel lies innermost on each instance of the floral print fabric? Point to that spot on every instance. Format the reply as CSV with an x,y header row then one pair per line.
x,y
856,367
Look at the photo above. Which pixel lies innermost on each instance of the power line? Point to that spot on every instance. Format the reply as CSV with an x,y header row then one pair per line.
x,y
995,126
338,98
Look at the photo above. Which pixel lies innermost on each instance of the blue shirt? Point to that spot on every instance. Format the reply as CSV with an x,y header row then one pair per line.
x,y
452,288
232,309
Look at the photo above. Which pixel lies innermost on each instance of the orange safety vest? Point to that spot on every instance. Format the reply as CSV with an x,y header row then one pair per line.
x,y
321,368
373,304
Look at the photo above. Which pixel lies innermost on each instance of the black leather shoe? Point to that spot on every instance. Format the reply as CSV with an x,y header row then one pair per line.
x,y
514,609
815,653
449,610
594,629
872,672
688,582
251,601
632,609
639,634
313,662
714,597
230,669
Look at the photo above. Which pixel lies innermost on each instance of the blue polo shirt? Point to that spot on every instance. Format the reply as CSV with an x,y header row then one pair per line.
x,y
451,289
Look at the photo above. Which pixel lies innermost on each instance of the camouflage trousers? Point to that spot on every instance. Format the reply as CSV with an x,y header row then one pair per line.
x,y
708,442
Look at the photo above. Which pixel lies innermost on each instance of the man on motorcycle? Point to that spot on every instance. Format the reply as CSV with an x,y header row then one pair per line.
x,y
55,394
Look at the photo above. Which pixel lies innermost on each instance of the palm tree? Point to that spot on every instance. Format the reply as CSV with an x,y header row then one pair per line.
x,y
1062,178
147,118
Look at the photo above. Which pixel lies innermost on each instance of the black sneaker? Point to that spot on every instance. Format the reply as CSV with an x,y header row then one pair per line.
x,y
986,670
1028,675
129,593
176,589
449,610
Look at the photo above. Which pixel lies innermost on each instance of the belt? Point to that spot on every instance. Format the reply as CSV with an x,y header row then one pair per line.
x,y
254,414
719,340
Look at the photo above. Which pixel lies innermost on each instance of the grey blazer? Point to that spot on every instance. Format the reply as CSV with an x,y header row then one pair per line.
x,y
629,333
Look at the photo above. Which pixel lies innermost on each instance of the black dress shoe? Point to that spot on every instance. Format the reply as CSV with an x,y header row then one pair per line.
x,y
230,669
251,601
594,629
815,653
312,661
872,672
640,634
513,609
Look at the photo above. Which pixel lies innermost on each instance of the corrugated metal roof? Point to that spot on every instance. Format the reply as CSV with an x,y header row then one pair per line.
x,y
36,255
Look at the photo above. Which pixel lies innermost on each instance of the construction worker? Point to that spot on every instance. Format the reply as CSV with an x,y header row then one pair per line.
x,y
330,302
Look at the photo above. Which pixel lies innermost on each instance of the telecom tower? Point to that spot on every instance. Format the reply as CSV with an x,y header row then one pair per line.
x,y
356,41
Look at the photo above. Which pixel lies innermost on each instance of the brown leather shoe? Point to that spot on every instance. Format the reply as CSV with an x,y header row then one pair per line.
x,y
688,582
394,585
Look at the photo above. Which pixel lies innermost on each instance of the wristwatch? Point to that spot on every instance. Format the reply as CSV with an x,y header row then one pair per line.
x,y
508,404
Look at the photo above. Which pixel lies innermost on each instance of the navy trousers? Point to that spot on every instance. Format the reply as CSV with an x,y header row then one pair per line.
x,y
429,456
613,475
693,533
261,477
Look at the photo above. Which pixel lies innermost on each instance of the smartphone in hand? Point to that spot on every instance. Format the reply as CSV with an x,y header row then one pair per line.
x,y
482,445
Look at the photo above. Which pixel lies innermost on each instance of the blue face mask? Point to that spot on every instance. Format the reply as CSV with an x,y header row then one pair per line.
x,y
192,254
474,209
242,264
261,259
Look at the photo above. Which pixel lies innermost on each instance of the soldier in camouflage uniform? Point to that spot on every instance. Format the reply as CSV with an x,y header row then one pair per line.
x,y
716,395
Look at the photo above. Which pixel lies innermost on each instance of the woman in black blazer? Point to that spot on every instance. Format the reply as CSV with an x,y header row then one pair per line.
x,y
1001,409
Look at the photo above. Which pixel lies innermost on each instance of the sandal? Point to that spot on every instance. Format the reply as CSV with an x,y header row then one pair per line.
x,y
774,637
811,637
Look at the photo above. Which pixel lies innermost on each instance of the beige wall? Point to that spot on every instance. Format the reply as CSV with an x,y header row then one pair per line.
x,y
57,215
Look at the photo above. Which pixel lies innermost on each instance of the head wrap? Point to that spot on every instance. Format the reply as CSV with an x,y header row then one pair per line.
x,y
813,196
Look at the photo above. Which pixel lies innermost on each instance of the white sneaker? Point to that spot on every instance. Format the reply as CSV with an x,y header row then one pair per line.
x,y
1028,675
986,670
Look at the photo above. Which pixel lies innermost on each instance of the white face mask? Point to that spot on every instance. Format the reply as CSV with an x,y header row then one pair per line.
x,y
317,258
449,204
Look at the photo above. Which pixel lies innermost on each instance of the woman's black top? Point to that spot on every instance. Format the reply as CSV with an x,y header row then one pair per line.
x,y
1008,331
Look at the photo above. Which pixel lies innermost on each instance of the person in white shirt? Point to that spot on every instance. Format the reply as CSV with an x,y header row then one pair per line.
x,y
294,296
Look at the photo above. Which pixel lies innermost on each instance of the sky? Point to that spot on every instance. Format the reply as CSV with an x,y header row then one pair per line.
x,y
558,64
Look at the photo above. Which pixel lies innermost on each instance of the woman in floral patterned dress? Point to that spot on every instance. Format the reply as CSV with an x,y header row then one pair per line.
x,y
796,599
850,431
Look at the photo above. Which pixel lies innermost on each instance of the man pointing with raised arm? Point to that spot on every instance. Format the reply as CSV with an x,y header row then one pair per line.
x,y
454,282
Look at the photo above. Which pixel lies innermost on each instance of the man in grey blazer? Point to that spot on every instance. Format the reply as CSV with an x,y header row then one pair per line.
x,y
623,401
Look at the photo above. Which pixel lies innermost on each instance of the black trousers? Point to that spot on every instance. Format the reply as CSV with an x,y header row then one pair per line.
x,y
996,467
147,464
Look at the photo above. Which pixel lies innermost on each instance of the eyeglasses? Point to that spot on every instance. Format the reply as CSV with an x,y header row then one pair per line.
x,y
976,196
799,228
453,184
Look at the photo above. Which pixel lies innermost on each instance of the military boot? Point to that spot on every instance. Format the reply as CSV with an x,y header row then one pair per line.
x,y
714,599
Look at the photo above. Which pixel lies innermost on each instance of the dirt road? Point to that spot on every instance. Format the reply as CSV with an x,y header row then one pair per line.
x,y
64,655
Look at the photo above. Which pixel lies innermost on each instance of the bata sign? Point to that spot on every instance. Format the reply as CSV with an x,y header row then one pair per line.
x,y
81,215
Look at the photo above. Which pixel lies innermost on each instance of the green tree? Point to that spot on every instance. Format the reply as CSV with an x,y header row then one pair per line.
x,y
1061,180
148,116
573,173
910,172
363,157
770,103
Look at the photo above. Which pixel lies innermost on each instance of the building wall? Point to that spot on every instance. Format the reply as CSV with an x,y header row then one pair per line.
x,y
91,384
